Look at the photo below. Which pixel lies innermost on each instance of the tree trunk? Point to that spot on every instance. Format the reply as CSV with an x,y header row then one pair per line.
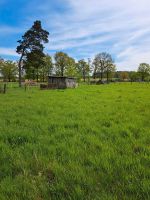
x,y
88,78
62,72
43,78
94,76
19,66
84,78
101,76
107,77
33,75
37,76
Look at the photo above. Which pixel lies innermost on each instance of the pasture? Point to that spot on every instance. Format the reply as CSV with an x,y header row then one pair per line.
x,y
89,143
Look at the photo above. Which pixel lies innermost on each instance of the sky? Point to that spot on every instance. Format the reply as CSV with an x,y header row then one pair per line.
x,y
81,28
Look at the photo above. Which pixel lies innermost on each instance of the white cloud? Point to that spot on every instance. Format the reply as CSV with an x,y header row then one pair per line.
x,y
7,51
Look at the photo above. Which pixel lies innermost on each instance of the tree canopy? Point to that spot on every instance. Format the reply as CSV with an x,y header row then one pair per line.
x,y
8,70
144,70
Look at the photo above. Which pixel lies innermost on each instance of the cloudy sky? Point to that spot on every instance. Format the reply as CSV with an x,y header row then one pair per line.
x,y
82,28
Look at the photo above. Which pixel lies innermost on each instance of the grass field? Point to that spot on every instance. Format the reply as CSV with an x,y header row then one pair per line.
x,y
89,143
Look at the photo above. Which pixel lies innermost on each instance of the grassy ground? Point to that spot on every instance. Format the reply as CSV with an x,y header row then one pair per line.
x,y
88,143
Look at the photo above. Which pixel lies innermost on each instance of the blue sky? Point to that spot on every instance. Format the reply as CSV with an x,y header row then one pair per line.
x,y
82,28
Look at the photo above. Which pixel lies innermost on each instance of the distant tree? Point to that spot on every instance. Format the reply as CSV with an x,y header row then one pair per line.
x,y
117,75
124,76
71,67
83,69
133,76
110,69
95,66
29,71
8,70
89,68
32,40
102,63
61,62
47,67
1,62
1,65
144,70
147,79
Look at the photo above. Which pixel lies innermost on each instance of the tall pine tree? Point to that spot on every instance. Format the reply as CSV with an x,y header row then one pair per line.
x,y
32,41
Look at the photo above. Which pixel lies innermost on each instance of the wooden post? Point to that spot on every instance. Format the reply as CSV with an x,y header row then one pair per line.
x,y
4,88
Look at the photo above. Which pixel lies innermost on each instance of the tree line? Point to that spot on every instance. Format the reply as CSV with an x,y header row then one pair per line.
x,y
63,65
34,64
142,74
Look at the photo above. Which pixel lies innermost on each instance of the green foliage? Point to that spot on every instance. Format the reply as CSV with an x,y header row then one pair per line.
x,y
38,66
60,63
134,76
71,70
46,68
124,76
144,70
109,71
87,143
33,63
8,70
64,65
83,69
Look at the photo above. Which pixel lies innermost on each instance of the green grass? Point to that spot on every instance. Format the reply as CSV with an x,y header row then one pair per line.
x,y
89,143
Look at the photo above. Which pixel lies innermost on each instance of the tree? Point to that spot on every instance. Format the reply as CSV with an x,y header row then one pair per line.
x,y
64,65
124,76
32,40
8,70
71,67
47,67
144,70
61,61
110,69
133,76
102,63
95,66
33,63
83,68
89,62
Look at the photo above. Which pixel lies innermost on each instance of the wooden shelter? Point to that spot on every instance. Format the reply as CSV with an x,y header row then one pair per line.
x,y
57,82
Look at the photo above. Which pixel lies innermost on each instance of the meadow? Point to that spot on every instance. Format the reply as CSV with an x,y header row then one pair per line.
x,y
89,143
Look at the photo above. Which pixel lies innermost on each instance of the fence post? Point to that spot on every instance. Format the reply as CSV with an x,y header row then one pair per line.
x,y
4,88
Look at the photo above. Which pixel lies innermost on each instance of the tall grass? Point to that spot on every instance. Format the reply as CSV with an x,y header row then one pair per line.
x,y
87,143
